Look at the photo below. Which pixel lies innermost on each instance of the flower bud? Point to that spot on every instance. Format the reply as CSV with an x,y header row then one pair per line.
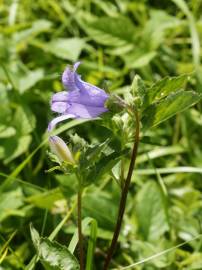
x,y
60,149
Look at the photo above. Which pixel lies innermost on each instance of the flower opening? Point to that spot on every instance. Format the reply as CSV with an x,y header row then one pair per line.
x,y
80,100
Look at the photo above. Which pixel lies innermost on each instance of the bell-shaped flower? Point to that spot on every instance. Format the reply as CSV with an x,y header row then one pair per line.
x,y
60,149
80,100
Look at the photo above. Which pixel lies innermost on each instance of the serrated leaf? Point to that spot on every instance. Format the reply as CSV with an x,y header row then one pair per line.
x,y
151,212
165,86
110,31
54,256
93,152
177,102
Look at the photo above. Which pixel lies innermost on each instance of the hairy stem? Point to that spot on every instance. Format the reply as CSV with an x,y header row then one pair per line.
x,y
79,205
122,204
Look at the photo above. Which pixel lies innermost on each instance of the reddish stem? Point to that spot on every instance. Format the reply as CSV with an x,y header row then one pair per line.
x,y
122,204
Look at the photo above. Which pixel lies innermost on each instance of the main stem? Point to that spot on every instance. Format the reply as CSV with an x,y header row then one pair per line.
x,y
122,204
79,205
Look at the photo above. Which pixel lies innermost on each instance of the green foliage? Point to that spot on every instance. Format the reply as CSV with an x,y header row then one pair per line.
x,y
10,203
52,255
164,109
91,245
116,32
151,212
65,48
149,54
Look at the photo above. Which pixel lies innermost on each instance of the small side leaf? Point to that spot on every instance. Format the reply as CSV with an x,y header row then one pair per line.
x,y
139,90
92,153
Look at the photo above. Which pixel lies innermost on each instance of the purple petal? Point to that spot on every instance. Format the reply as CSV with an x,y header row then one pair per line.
x,y
59,119
59,102
83,111
76,65
61,96
69,76
83,100
59,107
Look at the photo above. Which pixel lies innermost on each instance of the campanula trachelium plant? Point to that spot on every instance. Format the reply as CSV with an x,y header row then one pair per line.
x,y
142,108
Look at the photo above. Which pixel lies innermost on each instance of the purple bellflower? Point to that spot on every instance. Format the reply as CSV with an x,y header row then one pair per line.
x,y
81,100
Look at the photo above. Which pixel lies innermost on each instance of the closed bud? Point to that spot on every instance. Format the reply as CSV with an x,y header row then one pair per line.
x,y
60,149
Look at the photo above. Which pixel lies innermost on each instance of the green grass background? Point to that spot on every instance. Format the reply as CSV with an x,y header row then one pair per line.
x,y
114,40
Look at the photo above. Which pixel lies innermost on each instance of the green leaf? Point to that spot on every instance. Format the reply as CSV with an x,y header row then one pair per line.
x,y
165,86
14,148
24,120
21,78
68,184
174,103
21,166
105,212
52,255
139,59
46,199
151,212
156,28
103,166
65,48
10,202
37,27
139,90
35,236
92,153
29,79
6,132
110,31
